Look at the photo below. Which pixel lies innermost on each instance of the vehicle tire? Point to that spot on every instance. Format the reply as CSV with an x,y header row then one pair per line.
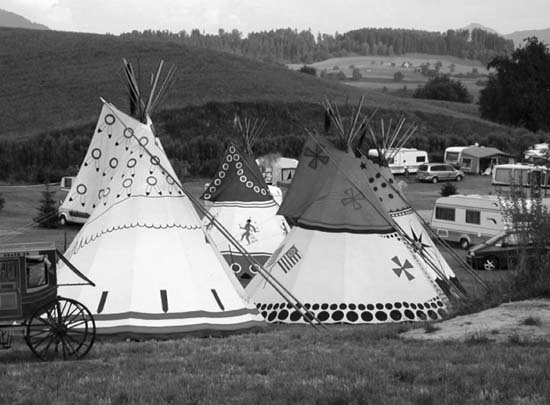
x,y
464,244
435,180
459,178
62,220
490,263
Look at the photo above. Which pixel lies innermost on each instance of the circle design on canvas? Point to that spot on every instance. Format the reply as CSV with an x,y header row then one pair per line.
x,y
128,133
81,189
110,119
152,180
96,153
113,163
131,163
127,183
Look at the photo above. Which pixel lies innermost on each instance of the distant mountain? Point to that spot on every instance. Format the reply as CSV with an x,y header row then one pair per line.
x,y
518,36
12,20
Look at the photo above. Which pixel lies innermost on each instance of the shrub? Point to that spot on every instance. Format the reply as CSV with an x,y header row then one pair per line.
x,y
356,74
2,202
448,189
308,70
398,77
444,88
47,211
529,217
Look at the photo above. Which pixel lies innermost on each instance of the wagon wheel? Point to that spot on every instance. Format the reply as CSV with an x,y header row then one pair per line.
x,y
62,329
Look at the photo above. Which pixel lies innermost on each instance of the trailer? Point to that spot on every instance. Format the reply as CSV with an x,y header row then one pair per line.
x,y
402,160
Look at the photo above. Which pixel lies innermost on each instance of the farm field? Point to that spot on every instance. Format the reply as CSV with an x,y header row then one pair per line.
x,y
280,363
378,71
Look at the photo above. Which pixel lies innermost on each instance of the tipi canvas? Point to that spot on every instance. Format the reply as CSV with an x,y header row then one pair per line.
x,y
156,273
242,202
383,183
344,258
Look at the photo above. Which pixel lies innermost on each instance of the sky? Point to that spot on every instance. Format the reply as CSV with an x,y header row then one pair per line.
x,y
325,16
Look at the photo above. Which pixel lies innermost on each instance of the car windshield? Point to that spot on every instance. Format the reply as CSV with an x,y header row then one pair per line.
x,y
423,168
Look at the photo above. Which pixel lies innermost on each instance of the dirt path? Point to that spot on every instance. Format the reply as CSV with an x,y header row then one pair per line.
x,y
519,322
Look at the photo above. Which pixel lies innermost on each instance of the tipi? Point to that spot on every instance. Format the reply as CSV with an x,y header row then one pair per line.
x,y
156,271
244,205
345,258
383,183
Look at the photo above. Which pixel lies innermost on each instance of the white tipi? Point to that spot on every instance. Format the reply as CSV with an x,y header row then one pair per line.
x,y
344,258
155,270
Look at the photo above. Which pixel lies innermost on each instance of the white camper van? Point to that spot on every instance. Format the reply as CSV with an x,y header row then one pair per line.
x,y
403,160
467,219
453,155
277,170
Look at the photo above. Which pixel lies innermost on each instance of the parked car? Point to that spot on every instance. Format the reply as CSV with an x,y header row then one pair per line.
x,y
502,251
435,172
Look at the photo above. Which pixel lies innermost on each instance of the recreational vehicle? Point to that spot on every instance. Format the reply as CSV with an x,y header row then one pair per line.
x,y
66,183
402,160
527,180
277,170
475,159
453,155
467,219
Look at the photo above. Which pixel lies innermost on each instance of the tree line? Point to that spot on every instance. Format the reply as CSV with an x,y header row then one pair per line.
x,y
293,46
195,145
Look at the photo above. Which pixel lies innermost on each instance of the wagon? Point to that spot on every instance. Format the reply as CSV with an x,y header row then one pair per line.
x,y
54,327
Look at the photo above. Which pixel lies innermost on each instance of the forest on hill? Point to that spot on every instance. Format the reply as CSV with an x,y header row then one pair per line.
x,y
293,46
195,137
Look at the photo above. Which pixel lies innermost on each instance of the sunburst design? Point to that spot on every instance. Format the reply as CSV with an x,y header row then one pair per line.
x,y
417,243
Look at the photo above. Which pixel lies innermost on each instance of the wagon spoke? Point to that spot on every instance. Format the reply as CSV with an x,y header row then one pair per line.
x,y
45,350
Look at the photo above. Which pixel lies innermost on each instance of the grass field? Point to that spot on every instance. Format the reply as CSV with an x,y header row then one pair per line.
x,y
281,363
378,71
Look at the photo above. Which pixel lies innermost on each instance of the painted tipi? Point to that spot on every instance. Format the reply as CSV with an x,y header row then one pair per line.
x,y
383,183
344,258
155,269
243,203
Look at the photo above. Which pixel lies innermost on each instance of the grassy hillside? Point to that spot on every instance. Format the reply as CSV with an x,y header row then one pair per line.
x,y
53,80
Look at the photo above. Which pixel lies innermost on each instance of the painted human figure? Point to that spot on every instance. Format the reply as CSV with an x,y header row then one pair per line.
x,y
247,228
